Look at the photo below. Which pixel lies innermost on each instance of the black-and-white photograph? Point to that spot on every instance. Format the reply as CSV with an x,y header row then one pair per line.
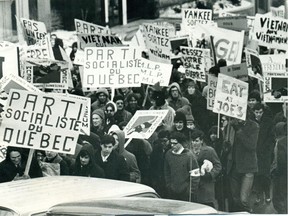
x,y
125,107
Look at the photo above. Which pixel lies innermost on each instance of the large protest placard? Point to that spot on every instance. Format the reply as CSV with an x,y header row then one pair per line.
x,y
193,16
194,62
9,61
39,121
153,72
42,49
46,74
84,27
138,39
254,65
157,42
111,66
274,65
33,30
98,40
228,44
231,97
238,71
144,123
175,44
270,31
212,84
237,23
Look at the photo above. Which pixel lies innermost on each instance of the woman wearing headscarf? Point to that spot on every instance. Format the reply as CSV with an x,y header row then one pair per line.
x,y
98,122
85,164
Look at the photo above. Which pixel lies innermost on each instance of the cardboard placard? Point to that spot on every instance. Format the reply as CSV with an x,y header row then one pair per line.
x,y
38,121
231,97
254,65
238,71
97,40
212,84
191,17
9,61
84,27
275,89
33,30
274,65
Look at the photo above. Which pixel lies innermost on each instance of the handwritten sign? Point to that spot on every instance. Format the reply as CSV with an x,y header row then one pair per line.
x,y
275,89
97,40
194,62
212,84
153,72
253,63
40,50
33,30
84,27
9,61
274,65
144,123
115,66
39,121
231,97
157,42
191,17
238,71
271,31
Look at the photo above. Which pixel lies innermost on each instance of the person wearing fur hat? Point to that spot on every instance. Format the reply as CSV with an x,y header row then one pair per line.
x,y
175,99
102,98
98,122
85,164
159,102
110,110
121,115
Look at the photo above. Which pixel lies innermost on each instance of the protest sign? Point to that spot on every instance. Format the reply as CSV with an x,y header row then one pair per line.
x,y
212,84
9,61
153,72
193,16
238,71
194,62
253,64
46,74
228,44
6,44
175,44
275,89
83,27
33,30
270,31
144,123
231,97
42,49
274,65
138,39
115,66
79,58
98,40
13,82
157,42
278,11
237,23
38,121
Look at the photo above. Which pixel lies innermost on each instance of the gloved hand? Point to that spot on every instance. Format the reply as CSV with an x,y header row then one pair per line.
x,y
206,167
207,177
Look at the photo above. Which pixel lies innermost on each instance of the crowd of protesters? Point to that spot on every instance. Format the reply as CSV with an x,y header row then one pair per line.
x,y
189,157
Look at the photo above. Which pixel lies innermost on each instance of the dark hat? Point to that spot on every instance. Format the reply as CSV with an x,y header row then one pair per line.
x,y
118,97
180,116
159,98
255,94
99,112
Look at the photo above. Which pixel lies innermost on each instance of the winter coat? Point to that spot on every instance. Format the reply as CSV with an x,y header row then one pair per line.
x,y
122,116
176,171
64,168
244,148
115,167
135,175
265,145
180,101
206,190
91,169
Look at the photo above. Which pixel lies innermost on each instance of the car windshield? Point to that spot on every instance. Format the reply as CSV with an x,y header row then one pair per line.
x,y
7,212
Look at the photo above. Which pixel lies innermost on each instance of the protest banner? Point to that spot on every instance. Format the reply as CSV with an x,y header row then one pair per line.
x,y
111,66
237,23
194,62
274,65
193,16
38,121
83,27
42,49
144,123
98,40
275,89
157,42
3,151
13,82
212,84
228,43
153,72
231,97
253,64
9,61
238,71
33,30
270,31
46,74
